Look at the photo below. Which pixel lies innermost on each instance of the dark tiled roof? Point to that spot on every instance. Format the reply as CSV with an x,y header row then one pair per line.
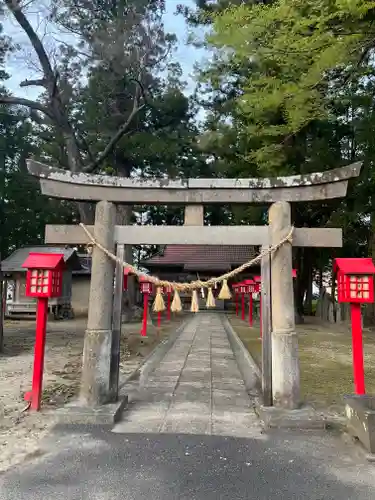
x,y
202,257
14,262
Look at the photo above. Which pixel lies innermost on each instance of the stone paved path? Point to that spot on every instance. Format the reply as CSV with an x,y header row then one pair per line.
x,y
196,389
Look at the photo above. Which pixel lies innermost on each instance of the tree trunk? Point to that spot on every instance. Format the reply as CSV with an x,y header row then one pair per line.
x,y
298,287
308,280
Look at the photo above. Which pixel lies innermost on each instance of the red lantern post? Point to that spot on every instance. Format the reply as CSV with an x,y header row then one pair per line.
x,y
258,286
146,290
251,289
43,281
242,287
235,289
168,291
355,284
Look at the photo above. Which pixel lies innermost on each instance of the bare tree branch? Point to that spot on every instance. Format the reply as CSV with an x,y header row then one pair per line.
x,y
20,101
16,9
40,82
122,131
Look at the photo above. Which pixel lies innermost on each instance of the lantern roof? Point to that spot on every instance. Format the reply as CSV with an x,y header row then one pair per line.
x,y
257,279
127,271
144,279
43,261
354,265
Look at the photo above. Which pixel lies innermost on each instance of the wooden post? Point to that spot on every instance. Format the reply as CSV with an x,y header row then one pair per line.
x,y
35,396
98,335
250,309
266,328
357,342
116,324
145,314
285,363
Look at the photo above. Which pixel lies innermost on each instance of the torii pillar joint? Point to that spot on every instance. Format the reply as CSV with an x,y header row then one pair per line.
x,y
285,362
95,384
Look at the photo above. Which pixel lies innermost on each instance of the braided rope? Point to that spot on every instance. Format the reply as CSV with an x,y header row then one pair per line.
x,y
193,285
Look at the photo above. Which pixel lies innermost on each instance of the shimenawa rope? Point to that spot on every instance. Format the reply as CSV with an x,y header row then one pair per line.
x,y
193,285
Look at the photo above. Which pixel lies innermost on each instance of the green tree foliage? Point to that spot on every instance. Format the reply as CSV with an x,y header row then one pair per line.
x,y
289,89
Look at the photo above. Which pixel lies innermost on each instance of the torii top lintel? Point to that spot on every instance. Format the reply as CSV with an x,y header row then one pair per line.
x,y
60,183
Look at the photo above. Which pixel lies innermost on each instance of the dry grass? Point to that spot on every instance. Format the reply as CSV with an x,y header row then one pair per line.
x,y
325,353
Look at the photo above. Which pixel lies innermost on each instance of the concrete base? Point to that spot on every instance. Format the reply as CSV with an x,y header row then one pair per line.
x,y
108,414
280,418
360,419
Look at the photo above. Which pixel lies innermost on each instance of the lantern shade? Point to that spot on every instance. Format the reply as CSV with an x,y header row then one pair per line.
x,y
242,287
251,286
145,286
355,279
44,274
294,273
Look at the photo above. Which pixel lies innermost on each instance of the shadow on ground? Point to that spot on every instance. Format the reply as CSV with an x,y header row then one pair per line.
x,y
87,463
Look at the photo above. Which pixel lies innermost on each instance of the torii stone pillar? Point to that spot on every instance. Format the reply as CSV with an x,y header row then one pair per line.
x,y
95,386
285,363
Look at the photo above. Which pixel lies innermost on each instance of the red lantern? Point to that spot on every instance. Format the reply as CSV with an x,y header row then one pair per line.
x,y
44,278
145,287
294,273
355,284
44,274
355,280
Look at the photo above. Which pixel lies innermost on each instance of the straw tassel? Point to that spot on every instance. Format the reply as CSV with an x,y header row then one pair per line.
x,y
194,302
176,305
225,292
210,299
159,304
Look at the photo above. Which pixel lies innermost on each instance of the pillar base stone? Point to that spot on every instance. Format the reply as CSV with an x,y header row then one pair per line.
x,y
96,364
285,370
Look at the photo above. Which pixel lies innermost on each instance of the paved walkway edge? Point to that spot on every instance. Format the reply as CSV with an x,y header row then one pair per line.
x,y
157,354
110,414
154,357
250,371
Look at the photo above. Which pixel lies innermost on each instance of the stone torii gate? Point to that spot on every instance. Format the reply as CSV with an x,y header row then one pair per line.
x,y
100,375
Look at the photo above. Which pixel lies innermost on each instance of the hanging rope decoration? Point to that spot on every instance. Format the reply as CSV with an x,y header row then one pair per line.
x,y
159,304
210,303
193,286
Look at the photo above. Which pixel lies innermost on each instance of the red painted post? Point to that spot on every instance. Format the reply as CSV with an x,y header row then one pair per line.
x,y
40,342
250,309
169,306
145,314
243,306
237,308
159,319
358,365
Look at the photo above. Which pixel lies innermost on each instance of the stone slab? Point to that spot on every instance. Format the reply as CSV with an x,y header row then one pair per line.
x,y
280,418
108,414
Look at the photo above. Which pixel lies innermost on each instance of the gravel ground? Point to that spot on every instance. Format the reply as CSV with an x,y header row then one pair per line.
x,y
21,430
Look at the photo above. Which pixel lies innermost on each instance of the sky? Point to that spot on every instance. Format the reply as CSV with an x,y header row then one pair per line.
x,y
21,66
